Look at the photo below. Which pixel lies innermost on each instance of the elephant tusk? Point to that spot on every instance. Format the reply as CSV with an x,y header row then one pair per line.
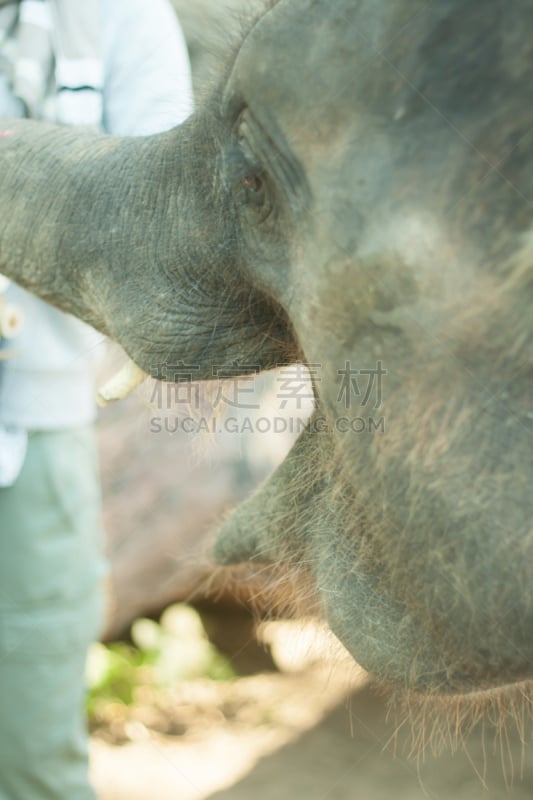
x,y
122,384
4,283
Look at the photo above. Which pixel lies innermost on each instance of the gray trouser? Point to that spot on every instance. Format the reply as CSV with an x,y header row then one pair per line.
x,y
51,608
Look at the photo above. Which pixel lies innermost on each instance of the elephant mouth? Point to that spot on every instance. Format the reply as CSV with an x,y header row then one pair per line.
x,y
405,624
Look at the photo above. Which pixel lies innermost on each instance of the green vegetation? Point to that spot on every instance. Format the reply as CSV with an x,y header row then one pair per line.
x,y
162,654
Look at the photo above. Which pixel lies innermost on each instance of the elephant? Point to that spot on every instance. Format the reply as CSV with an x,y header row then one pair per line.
x,y
354,194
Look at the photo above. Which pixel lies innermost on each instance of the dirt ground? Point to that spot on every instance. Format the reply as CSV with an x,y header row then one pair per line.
x,y
308,732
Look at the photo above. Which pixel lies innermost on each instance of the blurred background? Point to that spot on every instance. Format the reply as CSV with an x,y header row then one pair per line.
x,y
192,695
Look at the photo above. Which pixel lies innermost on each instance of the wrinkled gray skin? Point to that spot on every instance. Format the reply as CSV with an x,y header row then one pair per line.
x,y
358,188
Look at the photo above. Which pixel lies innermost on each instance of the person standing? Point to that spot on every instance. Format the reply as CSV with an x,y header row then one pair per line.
x,y
120,66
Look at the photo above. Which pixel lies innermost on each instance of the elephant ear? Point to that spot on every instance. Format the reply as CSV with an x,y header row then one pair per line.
x,y
271,526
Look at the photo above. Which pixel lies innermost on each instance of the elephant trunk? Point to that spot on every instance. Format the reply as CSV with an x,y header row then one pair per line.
x,y
137,237
77,214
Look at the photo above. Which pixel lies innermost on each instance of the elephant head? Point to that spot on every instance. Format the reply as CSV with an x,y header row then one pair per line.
x,y
355,194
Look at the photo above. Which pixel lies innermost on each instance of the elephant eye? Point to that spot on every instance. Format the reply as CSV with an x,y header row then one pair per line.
x,y
254,183
263,174
255,194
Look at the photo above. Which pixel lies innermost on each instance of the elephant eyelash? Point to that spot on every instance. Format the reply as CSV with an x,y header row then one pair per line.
x,y
273,160
248,180
242,169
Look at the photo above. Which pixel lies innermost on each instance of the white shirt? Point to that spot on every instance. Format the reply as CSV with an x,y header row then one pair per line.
x,y
147,90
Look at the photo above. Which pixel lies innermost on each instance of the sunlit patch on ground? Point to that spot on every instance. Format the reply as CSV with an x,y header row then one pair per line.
x,y
193,736
309,732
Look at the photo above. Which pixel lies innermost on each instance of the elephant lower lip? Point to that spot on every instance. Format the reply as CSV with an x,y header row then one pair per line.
x,y
125,381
